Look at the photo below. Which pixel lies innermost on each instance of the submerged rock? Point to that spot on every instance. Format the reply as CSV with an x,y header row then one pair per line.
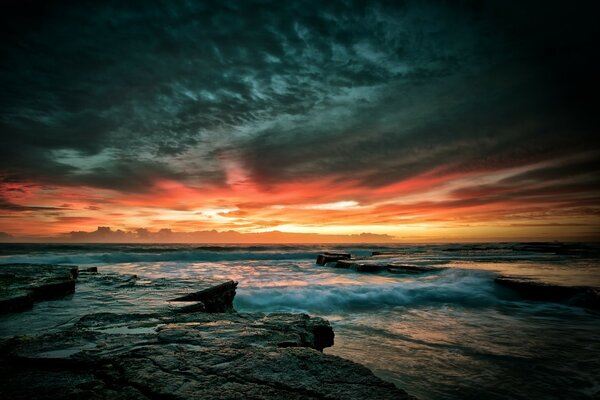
x,y
581,296
23,284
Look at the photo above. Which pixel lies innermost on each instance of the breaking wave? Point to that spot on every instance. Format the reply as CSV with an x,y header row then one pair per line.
x,y
464,287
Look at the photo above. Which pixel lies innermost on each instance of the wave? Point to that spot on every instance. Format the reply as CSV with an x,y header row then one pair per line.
x,y
464,287
168,256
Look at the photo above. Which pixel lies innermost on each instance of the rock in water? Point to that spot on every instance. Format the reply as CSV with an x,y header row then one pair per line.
x,y
214,299
371,266
531,289
187,356
326,257
23,284
412,269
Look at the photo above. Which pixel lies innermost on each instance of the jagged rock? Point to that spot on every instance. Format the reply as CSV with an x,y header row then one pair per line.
x,y
23,284
213,299
326,257
581,296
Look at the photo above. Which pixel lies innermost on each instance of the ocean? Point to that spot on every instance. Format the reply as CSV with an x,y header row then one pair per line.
x,y
449,334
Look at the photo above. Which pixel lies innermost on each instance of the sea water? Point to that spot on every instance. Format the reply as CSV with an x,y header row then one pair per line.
x,y
450,334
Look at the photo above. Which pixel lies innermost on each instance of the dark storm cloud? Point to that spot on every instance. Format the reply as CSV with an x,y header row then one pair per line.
x,y
379,91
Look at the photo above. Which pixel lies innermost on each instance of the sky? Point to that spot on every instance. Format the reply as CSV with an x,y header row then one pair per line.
x,y
375,121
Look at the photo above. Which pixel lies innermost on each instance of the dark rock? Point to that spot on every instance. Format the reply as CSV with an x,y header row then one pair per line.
x,y
369,267
191,355
326,257
385,253
52,289
588,298
378,267
412,269
531,289
15,301
186,356
23,284
360,267
90,270
214,299
343,264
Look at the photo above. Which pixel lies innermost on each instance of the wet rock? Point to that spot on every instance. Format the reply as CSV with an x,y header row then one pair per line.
x,y
531,289
23,284
193,355
326,257
378,267
385,253
214,299
369,267
360,267
412,269
373,264
186,356
53,288
342,264
15,300
90,270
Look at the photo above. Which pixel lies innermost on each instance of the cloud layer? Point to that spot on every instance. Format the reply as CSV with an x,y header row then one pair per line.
x,y
426,113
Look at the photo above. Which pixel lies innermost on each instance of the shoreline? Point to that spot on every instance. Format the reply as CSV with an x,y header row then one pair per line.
x,y
200,348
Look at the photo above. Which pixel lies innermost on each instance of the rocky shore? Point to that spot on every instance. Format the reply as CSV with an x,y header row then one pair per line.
x,y
580,296
199,349
530,289
376,263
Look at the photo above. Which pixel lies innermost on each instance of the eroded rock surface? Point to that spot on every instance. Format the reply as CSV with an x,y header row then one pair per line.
x,y
186,356
185,353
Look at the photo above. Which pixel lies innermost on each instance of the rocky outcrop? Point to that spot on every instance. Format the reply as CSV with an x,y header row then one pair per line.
x,y
194,354
214,299
23,284
187,356
326,257
531,289
375,263
385,253
412,269
375,266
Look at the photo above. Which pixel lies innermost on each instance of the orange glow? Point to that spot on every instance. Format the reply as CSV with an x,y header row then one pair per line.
x,y
431,207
